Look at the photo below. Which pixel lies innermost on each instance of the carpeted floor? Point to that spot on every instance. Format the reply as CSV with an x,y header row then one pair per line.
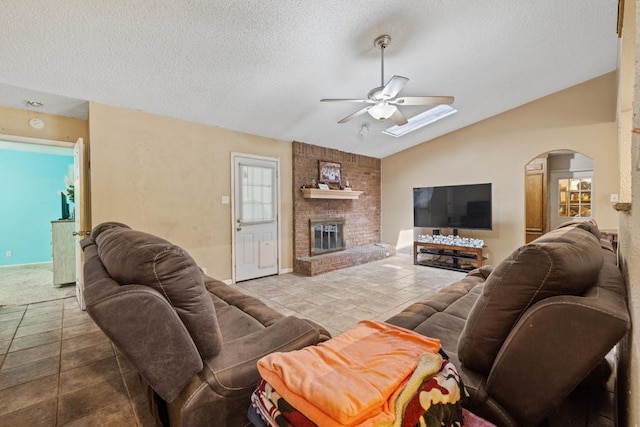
x,y
28,284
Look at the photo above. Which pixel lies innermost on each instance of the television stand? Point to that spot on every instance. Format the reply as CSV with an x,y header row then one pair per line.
x,y
449,257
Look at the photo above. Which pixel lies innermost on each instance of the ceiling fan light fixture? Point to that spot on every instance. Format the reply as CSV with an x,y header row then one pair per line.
x,y
420,120
382,111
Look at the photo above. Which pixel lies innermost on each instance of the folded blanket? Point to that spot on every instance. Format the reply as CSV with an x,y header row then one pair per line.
x,y
352,379
433,401
276,411
261,400
430,398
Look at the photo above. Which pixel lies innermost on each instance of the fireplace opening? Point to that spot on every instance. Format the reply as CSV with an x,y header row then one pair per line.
x,y
327,235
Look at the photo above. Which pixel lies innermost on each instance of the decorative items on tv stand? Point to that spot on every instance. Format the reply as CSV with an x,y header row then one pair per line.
x,y
451,240
449,252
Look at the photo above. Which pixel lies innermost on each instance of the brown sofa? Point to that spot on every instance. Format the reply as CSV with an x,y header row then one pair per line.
x,y
193,340
532,337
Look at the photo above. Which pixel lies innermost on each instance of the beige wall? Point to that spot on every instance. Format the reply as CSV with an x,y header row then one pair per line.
x,y
15,121
629,147
581,118
167,177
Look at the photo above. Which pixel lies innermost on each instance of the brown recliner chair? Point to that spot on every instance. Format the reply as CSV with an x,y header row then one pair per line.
x,y
193,340
531,336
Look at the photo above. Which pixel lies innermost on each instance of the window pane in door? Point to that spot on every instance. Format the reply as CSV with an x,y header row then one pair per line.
x,y
257,185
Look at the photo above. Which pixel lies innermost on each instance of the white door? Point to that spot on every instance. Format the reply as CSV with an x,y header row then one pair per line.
x,y
80,217
255,217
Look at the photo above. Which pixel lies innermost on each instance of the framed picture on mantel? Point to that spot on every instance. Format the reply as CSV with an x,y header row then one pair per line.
x,y
328,172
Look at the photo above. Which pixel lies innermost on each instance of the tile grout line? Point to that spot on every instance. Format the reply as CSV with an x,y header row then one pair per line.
x,y
4,356
55,413
124,382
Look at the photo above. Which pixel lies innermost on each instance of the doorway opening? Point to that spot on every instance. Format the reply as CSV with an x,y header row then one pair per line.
x,y
558,188
35,210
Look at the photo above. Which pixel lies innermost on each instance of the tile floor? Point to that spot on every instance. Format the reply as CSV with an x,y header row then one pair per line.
x,y
58,369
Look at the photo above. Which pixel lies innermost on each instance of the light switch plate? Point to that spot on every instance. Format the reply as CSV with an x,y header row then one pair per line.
x,y
613,198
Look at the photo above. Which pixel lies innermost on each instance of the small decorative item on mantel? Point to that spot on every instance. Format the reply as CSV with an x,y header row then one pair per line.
x,y
313,184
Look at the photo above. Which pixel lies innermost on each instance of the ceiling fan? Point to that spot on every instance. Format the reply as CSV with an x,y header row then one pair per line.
x,y
385,98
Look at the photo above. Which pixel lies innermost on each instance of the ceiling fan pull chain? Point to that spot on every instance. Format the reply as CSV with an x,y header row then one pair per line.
x,y
382,65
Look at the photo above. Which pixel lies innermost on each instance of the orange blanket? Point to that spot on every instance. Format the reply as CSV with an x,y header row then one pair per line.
x,y
352,379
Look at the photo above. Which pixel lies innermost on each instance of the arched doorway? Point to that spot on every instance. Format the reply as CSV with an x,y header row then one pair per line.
x,y
558,188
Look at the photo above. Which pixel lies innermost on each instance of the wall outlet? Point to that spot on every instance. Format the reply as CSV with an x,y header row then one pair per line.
x,y
613,198
225,200
8,254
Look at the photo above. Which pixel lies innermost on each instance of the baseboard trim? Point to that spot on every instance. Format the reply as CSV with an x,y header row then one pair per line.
x,y
27,264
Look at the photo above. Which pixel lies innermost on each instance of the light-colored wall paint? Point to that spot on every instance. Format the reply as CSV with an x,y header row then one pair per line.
x,y
626,82
15,121
167,177
629,148
569,162
496,150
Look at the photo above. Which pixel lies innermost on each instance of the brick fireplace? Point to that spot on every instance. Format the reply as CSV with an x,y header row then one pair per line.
x,y
361,217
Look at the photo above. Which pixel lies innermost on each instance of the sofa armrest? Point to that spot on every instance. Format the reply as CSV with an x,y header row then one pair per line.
x,y
552,348
146,329
234,370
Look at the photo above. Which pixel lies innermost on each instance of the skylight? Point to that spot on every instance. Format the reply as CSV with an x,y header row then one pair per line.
x,y
416,122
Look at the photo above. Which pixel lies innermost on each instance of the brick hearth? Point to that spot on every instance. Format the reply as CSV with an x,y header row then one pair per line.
x,y
319,264
362,216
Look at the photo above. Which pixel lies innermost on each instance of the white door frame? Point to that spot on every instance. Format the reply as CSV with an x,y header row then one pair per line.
x,y
235,155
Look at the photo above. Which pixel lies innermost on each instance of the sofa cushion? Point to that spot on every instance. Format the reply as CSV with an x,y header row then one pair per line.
x,y
589,226
565,261
134,257
417,313
223,294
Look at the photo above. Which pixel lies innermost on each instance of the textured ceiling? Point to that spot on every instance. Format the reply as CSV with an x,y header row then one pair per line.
x,y
261,67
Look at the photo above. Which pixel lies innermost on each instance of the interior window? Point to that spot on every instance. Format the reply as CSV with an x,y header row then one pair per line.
x,y
574,197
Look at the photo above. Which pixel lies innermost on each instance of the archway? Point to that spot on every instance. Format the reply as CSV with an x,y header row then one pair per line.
x,y
558,188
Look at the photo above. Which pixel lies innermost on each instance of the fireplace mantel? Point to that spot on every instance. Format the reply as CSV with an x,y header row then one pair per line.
x,y
316,193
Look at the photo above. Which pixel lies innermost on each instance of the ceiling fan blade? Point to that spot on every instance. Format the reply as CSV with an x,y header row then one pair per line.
x,y
394,86
422,100
399,118
354,115
364,101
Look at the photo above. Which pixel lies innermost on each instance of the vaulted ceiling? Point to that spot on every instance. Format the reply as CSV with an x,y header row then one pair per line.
x,y
261,67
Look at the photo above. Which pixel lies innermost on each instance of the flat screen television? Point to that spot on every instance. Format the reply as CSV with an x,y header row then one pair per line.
x,y
64,206
453,206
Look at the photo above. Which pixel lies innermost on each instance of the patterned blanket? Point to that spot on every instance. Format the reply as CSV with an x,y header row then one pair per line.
x,y
431,397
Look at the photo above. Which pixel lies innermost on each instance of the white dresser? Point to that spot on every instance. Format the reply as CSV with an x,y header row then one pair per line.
x,y
63,244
